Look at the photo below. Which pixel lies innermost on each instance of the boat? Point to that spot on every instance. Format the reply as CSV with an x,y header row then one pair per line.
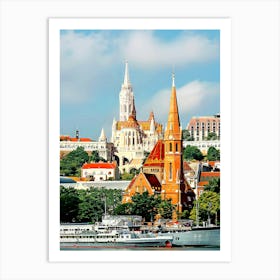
x,y
113,239
112,232
201,236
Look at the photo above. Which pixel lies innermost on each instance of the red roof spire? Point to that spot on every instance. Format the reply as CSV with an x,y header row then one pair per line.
x,y
173,125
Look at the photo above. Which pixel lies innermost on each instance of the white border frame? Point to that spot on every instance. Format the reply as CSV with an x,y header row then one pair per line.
x,y
222,24
24,96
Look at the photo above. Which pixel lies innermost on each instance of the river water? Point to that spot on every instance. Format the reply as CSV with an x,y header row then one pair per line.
x,y
184,248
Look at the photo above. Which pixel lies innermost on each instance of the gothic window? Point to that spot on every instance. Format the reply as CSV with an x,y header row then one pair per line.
x,y
170,147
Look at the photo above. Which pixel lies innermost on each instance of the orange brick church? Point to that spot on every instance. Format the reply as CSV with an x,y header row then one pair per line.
x,y
163,170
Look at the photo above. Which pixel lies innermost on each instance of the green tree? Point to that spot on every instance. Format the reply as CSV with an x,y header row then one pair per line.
x,y
69,204
123,209
213,185
126,176
145,205
94,201
134,171
213,154
212,136
186,135
165,209
87,205
192,152
146,155
209,206
70,165
94,157
90,206
184,215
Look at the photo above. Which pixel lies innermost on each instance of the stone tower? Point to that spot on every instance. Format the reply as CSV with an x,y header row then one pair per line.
x,y
126,96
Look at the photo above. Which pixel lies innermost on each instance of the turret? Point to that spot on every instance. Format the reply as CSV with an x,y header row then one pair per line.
x,y
102,137
126,96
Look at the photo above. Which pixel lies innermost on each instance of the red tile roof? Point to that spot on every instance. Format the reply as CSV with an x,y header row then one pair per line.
x,y
210,174
131,183
203,183
72,139
156,156
105,165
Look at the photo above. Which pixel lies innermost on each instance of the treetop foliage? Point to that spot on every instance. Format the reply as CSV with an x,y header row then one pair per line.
x,y
147,206
213,154
192,152
70,165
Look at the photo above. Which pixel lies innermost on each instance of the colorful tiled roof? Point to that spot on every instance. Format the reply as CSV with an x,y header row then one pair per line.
x,y
144,124
203,183
72,139
156,156
202,119
210,174
104,165
212,163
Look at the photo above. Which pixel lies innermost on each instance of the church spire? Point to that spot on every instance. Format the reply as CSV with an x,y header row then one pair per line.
x,y
126,81
102,136
173,79
173,123
126,96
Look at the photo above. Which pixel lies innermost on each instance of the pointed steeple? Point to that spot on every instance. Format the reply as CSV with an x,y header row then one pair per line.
x,y
126,81
173,124
126,96
102,136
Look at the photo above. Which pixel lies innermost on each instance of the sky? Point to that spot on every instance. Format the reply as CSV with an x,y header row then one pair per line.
x,y
92,64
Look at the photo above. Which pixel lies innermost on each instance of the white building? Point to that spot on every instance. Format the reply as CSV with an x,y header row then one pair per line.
x,y
203,146
200,127
100,171
105,149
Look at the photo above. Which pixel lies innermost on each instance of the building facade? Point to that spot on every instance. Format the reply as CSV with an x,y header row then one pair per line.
x,y
200,127
68,144
203,146
100,171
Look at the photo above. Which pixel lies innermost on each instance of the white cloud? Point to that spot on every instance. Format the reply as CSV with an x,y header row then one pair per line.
x,y
146,50
86,57
194,96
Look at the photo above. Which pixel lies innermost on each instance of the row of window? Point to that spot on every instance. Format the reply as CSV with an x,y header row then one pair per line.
x,y
74,146
171,147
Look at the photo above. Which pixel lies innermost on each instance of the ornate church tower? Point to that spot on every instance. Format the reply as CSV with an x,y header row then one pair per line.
x,y
174,185
126,96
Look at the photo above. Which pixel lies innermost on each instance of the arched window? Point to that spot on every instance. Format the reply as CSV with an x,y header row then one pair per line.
x,y
176,147
170,147
170,171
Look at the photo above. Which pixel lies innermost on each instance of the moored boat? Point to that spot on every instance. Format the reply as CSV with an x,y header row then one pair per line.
x,y
200,236
113,239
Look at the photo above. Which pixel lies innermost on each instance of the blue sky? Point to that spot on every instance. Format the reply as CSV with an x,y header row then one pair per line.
x,y
92,70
